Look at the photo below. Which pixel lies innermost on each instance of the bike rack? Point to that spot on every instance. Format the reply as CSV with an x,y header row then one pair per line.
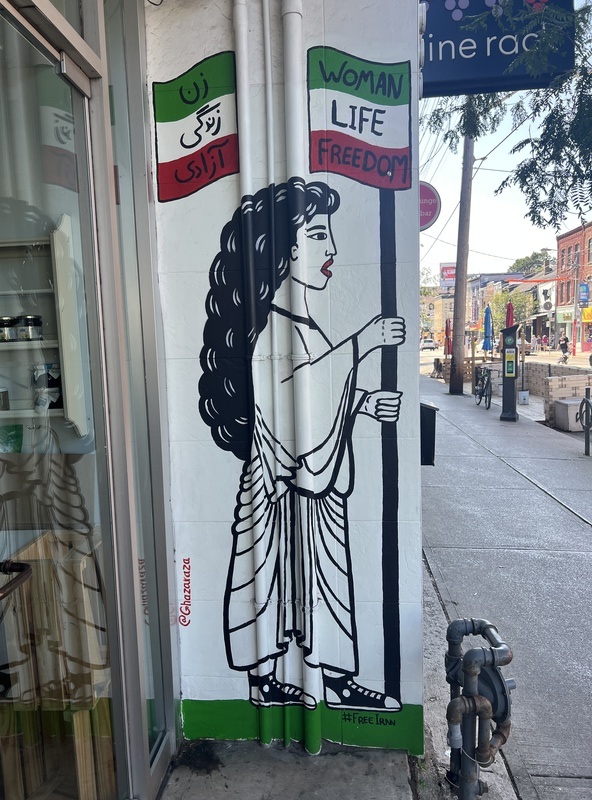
x,y
485,698
584,417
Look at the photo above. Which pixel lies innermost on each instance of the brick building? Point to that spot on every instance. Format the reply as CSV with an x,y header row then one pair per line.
x,y
574,272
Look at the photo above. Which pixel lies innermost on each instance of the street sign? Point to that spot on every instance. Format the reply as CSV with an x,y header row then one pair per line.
x,y
429,205
471,47
584,294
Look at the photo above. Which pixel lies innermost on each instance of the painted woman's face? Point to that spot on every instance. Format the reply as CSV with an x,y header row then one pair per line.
x,y
320,251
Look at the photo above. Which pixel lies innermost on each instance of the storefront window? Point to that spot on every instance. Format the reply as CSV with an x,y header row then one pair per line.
x,y
70,10
55,533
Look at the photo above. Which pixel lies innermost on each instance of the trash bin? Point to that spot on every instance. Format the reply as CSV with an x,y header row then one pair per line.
x,y
427,432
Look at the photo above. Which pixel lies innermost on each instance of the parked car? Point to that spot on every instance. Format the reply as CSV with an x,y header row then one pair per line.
x,y
427,344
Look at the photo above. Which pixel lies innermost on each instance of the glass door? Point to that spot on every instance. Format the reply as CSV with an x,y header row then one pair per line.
x,y
135,337
56,677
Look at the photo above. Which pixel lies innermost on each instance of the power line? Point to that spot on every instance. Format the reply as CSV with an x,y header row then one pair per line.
x,y
437,238
479,252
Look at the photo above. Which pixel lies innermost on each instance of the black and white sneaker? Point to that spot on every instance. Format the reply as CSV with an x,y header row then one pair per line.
x,y
343,692
265,690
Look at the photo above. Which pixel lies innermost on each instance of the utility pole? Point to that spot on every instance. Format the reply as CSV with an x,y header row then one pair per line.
x,y
462,259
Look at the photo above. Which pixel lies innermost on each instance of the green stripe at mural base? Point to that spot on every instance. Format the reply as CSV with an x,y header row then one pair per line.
x,y
238,720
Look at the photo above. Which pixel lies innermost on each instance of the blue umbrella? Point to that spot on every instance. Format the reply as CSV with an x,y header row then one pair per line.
x,y
487,329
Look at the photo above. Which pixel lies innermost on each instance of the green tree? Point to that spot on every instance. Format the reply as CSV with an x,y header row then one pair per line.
x,y
427,281
523,303
555,173
534,263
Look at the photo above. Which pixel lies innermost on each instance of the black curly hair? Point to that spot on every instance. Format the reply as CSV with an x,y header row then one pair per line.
x,y
253,262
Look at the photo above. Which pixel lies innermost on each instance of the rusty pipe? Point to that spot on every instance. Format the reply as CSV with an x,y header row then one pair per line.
x,y
479,657
457,708
500,736
498,655
459,628
488,744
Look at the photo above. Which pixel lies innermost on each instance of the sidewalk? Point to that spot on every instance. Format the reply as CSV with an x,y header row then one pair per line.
x,y
507,521
507,525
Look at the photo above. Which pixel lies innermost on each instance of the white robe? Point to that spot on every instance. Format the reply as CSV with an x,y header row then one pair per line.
x,y
290,571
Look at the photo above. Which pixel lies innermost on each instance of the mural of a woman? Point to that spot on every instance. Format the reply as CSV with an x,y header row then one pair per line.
x,y
269,371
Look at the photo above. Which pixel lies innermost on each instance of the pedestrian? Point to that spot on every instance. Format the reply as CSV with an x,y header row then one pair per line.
x,y
545,341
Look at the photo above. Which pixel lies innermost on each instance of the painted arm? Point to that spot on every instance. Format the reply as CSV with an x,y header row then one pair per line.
x,y
336,400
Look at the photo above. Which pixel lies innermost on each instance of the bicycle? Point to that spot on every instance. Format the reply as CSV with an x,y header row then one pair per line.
x,y
483,387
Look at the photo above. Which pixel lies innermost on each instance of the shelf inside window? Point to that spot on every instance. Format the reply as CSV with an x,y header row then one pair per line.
x,y
28,344
30,413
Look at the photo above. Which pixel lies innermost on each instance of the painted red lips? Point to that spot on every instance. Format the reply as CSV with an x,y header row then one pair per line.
x,y
325,268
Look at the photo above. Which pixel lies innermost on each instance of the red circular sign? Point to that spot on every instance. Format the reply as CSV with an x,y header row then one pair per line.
x,y
429,205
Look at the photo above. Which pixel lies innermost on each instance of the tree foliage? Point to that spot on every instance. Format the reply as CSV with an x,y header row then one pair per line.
x,y
534,263
523,303
427,281
555,173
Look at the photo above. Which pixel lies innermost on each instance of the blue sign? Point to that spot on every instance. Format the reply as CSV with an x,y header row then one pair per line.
x,y
584,294
464,59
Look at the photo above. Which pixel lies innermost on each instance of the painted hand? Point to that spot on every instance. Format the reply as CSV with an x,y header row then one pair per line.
x,y
381,332
383,406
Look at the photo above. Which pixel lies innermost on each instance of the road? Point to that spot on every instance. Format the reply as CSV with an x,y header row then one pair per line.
x,y
507,526
426,358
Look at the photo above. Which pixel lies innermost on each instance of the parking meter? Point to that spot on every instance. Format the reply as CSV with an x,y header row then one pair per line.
x,y
509,370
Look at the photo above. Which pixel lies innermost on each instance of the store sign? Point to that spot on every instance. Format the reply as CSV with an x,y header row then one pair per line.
x,y
564,316
447,275
587,315
429,205
469,49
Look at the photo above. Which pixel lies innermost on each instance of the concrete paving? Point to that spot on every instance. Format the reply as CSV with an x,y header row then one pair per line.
x,y
507,521
247,771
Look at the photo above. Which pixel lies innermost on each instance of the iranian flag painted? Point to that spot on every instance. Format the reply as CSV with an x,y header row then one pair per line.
x,y
196,128
359,118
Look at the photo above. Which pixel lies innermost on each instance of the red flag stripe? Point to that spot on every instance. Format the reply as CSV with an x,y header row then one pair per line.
x,y
380,167
183,177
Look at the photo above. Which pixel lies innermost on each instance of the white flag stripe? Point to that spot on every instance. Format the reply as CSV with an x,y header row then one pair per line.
x,y
181,138
382,126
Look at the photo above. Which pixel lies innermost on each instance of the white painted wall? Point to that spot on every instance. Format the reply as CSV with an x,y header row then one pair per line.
x,y
205,479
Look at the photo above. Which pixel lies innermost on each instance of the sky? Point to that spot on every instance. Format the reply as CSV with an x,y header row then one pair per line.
x,y
499,231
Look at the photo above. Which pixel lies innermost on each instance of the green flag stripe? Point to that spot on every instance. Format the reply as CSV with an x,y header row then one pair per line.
x,y
384,84
211,78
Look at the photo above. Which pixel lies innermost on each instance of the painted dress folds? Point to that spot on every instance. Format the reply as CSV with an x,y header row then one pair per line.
x,y
290,576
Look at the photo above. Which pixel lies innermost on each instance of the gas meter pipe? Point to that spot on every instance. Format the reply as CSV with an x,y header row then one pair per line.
x,y
470,714
488,744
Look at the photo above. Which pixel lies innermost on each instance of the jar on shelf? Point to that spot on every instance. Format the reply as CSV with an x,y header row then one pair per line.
x,y
8,329
30,327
